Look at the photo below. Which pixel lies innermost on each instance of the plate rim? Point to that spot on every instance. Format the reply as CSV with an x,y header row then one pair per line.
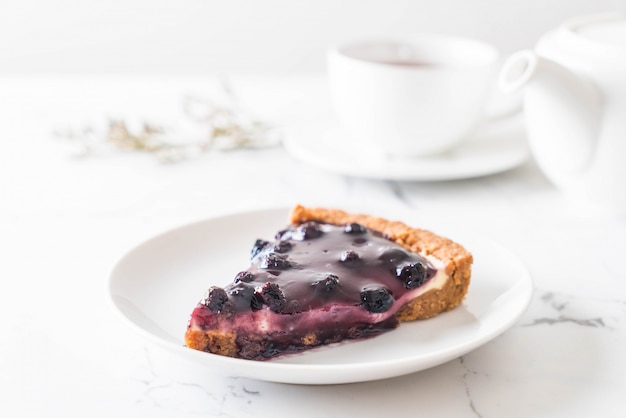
x,y
317,372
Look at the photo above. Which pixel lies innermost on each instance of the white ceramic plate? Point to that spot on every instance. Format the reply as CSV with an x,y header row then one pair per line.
x,y
497,147
157,284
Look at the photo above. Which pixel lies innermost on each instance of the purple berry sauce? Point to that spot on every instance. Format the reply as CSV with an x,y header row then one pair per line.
x,y
310,273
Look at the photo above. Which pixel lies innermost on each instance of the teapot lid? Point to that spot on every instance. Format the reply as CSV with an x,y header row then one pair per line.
x,y
606,29
590,42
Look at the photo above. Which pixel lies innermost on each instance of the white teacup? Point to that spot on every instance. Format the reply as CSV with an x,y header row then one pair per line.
x,y
416,96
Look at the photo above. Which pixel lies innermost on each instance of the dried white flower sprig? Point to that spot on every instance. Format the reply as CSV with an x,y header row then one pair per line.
x,y
219,127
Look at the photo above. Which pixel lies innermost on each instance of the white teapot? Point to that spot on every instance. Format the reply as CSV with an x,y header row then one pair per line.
x,y
575,106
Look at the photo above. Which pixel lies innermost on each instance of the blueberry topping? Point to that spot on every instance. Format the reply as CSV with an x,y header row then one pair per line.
x,y
376,300
349,257
273,297
283,234
412,275
256,302
258,246
282,247
292,307
328,284
393,256
239,290
244,276
375,272
243,296
355,229
275,261
215,299
240,295
306,231
359,241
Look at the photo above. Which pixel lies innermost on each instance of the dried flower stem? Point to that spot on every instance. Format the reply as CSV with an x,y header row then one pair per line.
x,y
227,128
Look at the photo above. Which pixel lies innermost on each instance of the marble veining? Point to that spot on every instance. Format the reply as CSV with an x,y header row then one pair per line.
x,y
564,311
467,371
594,322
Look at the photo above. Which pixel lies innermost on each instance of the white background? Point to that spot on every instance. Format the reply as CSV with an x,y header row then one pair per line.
x,y
65,220
245,36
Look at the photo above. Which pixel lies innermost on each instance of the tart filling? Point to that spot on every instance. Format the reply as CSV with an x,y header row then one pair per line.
x,y
316,283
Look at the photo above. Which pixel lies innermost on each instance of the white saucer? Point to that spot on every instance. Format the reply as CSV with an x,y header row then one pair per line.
x,y
497,147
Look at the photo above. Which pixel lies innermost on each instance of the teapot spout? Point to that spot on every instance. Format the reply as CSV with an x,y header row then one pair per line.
x,y
562,111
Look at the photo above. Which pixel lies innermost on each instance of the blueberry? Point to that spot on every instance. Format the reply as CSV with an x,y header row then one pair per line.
x,y
256,302
244,276
306,231
355,229
376,300
283,234
275,261
282,247
244,296
215,299
258,246
349,257
328,284
273,297
412,275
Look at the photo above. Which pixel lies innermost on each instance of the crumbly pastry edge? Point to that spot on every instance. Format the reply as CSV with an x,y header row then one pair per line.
x,y
456,259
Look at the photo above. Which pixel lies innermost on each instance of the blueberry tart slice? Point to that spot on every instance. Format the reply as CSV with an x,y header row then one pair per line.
x,y
328,277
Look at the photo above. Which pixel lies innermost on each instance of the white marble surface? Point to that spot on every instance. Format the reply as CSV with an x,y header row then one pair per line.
x,y
64,221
